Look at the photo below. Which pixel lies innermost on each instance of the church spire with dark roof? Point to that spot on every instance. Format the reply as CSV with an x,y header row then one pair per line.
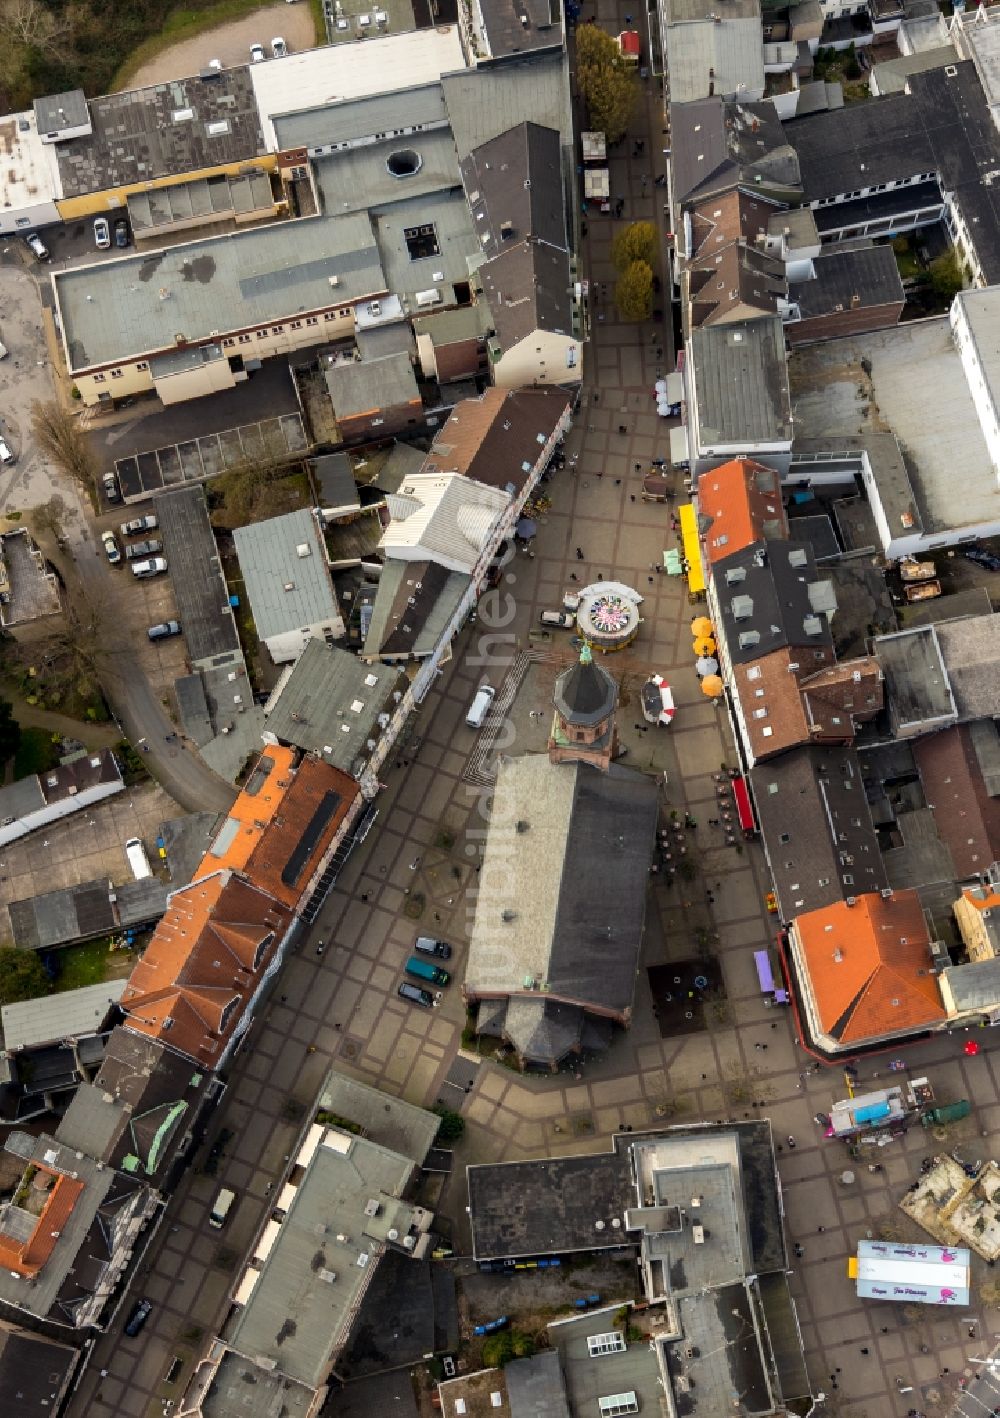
x,y
583,726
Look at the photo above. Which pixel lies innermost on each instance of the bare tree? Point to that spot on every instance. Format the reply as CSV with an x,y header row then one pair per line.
x,y
29,25
60,437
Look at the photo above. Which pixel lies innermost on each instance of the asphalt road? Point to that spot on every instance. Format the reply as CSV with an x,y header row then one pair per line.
x,y
137,707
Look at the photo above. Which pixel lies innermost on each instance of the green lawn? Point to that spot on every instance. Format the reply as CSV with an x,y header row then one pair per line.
x,y
35,753
81,965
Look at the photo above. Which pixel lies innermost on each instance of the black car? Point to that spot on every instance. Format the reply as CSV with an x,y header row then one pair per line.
x,y
415,995
427,945
121,232
982,557
138,1318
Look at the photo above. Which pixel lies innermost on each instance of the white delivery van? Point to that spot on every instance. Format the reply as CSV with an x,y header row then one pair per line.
x,y
221,1208
480,706
137,858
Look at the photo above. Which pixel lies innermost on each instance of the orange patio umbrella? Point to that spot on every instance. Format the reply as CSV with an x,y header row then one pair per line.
x,y
701,625
704,645
711,686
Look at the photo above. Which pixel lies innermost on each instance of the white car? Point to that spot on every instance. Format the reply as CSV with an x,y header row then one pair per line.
x,y
257,55
111,547
278,48
153,567
37,245
6,456
102,233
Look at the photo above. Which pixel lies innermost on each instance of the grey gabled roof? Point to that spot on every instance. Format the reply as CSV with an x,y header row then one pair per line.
x,y
536,1388
975,985
357,387
488,100
513,185
62,1016
415,600
847,280
528,288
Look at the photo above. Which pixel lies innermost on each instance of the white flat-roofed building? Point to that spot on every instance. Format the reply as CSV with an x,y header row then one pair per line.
x,y
29,175
384,64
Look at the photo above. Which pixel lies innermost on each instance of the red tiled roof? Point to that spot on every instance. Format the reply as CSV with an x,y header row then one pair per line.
x,y
206,956
869,967
28,1257
199,970
739,503
966,817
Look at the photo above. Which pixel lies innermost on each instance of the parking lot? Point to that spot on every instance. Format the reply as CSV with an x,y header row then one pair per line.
x,y
135,605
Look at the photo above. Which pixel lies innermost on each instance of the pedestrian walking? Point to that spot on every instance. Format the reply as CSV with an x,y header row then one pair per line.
x,y
579,553
622,429
632,496
638,467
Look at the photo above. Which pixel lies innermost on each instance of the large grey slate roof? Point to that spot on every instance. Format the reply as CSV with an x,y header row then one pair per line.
x,y
845,280
768,593
741,382
575,879
513,185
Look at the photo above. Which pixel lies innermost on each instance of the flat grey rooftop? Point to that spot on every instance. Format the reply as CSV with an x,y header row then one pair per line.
x,y
587,1380
288,585
391,1122
141,303
916,681
458,248
358,179
914,368
242,1389
199,586
741,382
162,131
549,1207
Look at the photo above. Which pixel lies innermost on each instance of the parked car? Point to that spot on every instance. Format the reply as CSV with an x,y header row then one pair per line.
x,y
480,706
424,970
121,233
561,619
164,630
138,550
257,55
982,557
139,524
143,569
111,547
111,489
427,945
278,48
102,233
140,1314
6,456
415,995
4,351
37,245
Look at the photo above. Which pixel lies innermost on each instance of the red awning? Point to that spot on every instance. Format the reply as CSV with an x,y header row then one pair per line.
x,y
628,40
743,809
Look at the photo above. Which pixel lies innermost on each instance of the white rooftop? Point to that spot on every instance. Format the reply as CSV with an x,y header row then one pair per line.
x,y
29,172
383,64
446,518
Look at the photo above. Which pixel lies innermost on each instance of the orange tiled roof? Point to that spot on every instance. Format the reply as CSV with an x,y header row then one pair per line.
x,y
312,811
783,707
738,504
257,805
981,899
203,964
869,967
28,1257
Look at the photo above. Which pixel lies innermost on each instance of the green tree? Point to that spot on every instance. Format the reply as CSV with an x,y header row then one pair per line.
x,y
509,1344
609,85
945,277
636,243
634,292
10,731
22,975
452,1125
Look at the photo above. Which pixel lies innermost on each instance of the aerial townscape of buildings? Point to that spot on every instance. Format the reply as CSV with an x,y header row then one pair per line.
x,y
500,898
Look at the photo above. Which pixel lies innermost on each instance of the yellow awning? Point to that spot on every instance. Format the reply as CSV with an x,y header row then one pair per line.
x,y
692,550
